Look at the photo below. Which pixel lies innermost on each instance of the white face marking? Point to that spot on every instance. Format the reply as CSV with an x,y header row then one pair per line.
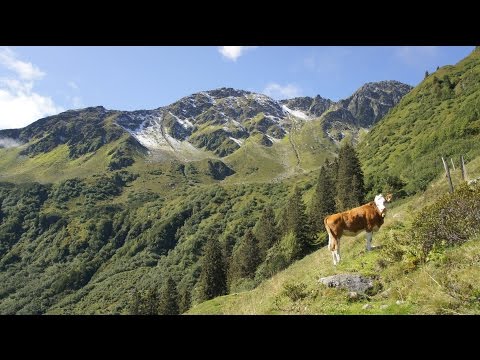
x,y
380,201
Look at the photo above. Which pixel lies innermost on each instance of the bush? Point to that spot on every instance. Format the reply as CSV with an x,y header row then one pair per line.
x,y
451,220
295,291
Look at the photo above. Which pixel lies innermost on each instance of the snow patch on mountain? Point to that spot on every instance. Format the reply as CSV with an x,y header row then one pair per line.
x,y
296,113
238,141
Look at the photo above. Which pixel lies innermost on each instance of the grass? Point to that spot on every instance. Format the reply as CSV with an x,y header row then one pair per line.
x,y
447,285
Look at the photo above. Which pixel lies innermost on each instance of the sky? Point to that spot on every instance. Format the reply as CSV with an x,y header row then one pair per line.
x,y
40,81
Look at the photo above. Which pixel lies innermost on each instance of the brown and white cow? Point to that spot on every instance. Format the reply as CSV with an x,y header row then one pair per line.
x,y
368,217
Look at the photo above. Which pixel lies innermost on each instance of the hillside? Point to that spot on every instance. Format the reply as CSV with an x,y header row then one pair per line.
x,y
440,117
446,284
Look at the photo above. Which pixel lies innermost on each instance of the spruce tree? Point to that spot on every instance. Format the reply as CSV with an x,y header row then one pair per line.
x,y
168,302
295,220
135,303
266,231
213,277
323,202
184,299
245,258
350,187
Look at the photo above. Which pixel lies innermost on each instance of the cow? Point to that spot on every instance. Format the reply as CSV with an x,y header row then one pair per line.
x,y
368,217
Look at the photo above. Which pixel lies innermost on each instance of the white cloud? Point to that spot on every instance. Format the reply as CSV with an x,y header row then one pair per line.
x,y
73,85
234,52
278,91
415,55
25,70
19,104
8,143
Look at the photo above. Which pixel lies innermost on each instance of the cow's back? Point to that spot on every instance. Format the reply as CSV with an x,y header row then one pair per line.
x,y
351,222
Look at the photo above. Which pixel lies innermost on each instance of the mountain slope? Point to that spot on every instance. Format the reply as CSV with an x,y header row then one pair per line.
x,y
440,117
285,136
446,284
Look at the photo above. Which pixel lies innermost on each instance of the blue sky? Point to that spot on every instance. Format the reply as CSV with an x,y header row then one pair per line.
x,y
40,81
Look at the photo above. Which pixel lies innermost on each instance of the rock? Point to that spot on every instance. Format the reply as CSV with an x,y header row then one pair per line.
x,y
383,307
352,295
386,293
367,306
400,302
352,282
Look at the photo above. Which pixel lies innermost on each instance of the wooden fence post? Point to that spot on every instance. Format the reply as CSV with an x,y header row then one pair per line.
x,y
445,165
464,171
453,165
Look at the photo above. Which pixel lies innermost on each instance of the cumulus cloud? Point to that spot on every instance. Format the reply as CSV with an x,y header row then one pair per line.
x,y
8,143
278,91
25,70
234,52
19,104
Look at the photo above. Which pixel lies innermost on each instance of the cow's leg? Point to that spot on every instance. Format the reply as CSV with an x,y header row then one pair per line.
x,y
369,240
337,251
332,245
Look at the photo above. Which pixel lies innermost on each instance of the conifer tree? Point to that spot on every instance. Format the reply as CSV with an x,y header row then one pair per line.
x,y
184,299
323,202
151,302
168,302
350,187
213,277
266,231
295,220
135,303
245,258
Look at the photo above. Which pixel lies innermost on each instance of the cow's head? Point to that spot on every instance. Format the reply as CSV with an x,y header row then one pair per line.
x,y
380,202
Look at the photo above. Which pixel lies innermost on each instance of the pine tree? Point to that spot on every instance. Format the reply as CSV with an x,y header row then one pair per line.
x,y
323,202
135,303
350,187
295,220
266,231
213,277
150,302
168,302
245,258
184,299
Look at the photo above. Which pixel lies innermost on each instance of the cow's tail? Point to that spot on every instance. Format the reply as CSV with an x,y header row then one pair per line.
x,y
331,244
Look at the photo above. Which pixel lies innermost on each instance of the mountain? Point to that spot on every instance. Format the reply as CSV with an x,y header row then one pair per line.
x,y
207,125
363,109
440,117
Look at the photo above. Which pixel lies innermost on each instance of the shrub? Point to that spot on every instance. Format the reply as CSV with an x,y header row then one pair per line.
x,y
451,220
295,291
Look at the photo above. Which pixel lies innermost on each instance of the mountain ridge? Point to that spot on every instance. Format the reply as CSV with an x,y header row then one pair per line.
x,y
212,123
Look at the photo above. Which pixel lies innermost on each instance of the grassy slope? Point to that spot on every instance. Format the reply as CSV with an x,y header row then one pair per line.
x,y
423,291
431,121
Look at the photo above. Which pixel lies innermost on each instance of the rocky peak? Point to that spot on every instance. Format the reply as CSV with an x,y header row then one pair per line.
x,y
226,92
313,107
373,100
